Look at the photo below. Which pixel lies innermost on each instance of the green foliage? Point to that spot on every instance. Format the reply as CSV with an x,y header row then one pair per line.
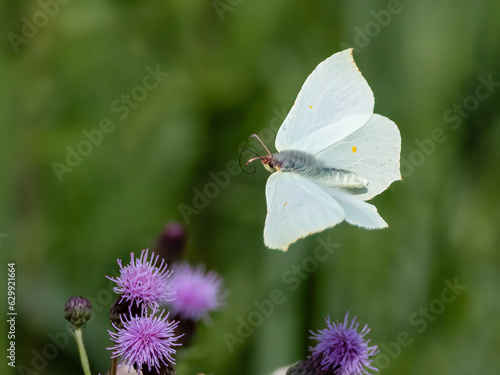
x,y
232,74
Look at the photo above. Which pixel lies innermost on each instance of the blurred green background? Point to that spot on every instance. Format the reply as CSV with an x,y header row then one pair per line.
x,y
234,68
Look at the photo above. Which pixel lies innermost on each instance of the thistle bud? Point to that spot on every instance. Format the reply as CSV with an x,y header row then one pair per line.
x,y
172,242
122,308
78,311
311,366
163,370
185,330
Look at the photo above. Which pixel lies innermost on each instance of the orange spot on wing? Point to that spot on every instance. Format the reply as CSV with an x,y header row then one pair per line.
x,y
310,106
354,148
285,204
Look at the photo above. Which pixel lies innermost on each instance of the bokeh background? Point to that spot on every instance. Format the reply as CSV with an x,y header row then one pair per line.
x,y
234,68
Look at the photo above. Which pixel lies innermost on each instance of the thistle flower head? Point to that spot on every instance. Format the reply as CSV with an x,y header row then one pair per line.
x,y
145,340
343,350
195,293
142,282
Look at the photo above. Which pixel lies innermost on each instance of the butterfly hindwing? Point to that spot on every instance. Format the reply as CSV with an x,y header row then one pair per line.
x,y
357,212
371,152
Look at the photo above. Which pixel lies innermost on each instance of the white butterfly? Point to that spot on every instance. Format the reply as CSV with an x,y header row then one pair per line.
x,y
333,155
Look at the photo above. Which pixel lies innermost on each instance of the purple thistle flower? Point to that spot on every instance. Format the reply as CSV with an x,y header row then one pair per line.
x,y
143,282
342,349
194,292
145,340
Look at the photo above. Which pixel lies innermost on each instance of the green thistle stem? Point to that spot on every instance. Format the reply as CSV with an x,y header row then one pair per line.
x,y
81,350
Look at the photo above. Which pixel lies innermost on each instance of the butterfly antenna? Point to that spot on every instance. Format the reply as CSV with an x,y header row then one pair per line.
x,y
262,143
249,161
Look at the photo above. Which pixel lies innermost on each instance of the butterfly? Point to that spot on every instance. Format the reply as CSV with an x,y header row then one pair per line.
x,y
333,154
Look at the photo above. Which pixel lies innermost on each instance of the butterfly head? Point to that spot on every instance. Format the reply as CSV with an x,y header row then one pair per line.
x,y
268,160
270,163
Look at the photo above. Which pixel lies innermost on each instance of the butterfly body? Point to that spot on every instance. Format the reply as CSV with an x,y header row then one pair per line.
x,y
307,165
